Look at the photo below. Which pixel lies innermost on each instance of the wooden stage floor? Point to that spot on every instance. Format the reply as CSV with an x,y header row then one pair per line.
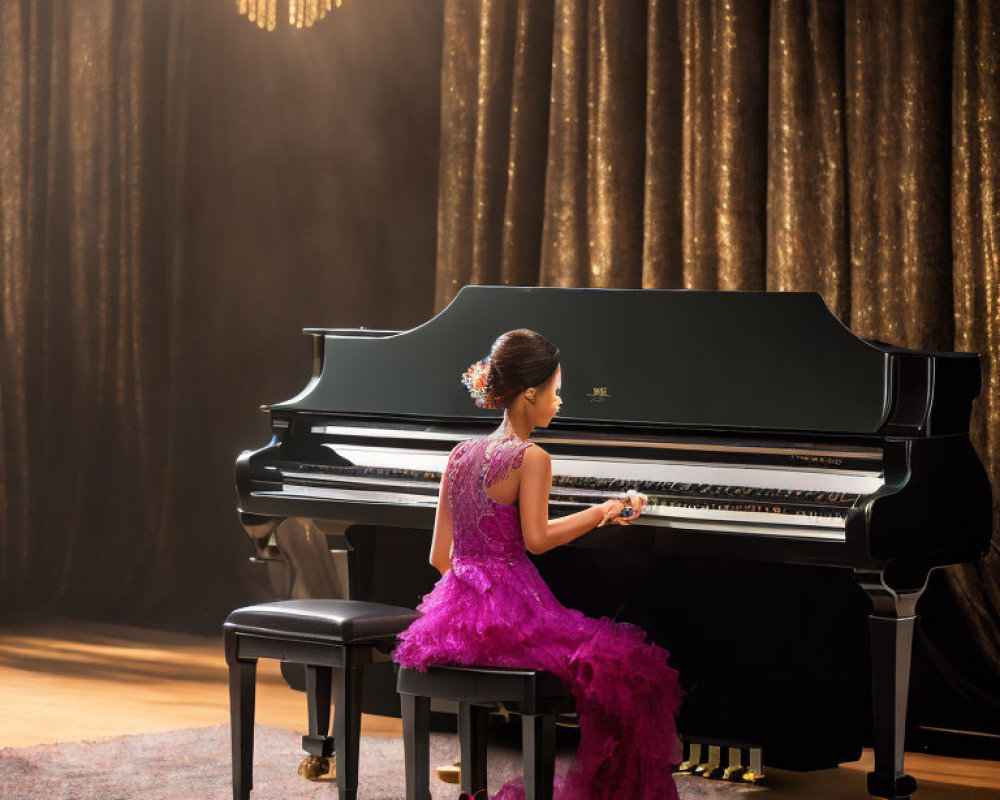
x,y
66,681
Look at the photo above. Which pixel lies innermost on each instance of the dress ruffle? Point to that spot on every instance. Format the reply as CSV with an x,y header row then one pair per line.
x,y
499,612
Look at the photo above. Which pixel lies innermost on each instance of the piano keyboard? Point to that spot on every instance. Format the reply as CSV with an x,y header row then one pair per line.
x,y
807,502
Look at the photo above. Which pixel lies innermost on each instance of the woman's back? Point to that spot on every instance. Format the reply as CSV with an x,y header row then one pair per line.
x,y
483,525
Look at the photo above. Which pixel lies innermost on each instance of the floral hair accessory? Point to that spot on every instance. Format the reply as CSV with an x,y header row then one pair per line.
x,y
475,378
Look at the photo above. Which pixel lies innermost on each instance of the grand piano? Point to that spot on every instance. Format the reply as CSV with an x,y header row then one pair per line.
x,y
792,469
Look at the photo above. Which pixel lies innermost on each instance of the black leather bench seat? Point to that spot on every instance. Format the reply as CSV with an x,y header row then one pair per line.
x,y
341,621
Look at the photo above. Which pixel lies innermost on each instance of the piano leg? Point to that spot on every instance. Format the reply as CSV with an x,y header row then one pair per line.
x,y
891,631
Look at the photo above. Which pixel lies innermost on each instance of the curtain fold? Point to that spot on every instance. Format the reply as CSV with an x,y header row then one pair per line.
x,y
524,199
459,111
975,232
847,147
564,232
15,219
898,157
725,145
663,215
807,243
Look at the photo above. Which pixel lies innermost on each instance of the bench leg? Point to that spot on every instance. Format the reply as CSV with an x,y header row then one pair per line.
x,y
416,745
472,739
242,675
319,684
538,737
347,728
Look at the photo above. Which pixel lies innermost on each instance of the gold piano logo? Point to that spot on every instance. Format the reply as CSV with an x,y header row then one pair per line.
x,y
598,394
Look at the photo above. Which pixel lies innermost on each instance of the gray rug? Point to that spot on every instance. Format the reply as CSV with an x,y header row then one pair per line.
x,y
194,764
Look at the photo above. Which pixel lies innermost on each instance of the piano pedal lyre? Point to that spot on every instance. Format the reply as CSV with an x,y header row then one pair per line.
x,y
729,761
450,773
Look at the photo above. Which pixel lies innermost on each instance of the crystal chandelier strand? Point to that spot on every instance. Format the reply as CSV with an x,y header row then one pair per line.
x,y
301,13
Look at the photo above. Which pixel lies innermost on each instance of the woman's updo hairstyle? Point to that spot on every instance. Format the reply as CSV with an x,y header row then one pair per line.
x,y
518,360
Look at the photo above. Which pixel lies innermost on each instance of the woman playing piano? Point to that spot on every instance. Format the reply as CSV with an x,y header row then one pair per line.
x,y
491,606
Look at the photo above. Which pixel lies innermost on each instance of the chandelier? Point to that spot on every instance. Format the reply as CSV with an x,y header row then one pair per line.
x,y
301,13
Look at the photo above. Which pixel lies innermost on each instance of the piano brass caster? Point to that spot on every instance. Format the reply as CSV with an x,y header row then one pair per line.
x,y
318,768
450,773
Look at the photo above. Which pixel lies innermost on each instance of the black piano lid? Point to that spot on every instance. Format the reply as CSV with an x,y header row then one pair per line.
x,y
749,359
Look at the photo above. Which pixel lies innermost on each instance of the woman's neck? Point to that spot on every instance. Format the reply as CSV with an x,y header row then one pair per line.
x,y
512,426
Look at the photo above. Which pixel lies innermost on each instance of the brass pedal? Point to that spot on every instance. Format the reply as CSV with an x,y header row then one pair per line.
x,y
755,770
318,769
693,758
450,773
736,768
711,768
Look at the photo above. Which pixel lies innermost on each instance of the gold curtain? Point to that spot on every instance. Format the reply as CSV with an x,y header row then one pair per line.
x,y
84,444
849,147
180,194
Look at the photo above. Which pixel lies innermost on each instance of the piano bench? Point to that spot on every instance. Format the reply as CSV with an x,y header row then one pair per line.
x,y
335,640
538,696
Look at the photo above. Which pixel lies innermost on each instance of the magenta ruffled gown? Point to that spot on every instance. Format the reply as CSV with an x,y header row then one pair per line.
x,y
493,608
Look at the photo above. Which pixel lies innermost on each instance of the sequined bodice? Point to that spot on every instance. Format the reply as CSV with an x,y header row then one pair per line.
x,y
484,527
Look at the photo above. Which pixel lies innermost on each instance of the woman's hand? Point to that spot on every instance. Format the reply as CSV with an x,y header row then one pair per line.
x,y
611,509
638,501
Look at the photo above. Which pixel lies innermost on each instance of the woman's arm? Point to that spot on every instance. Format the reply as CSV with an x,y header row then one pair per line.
x,y
540,533
444,532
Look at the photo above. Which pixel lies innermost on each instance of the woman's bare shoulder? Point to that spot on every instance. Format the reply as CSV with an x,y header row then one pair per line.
x,y
536,456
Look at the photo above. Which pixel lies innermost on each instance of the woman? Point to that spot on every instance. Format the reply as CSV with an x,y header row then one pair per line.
x,y
491,606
